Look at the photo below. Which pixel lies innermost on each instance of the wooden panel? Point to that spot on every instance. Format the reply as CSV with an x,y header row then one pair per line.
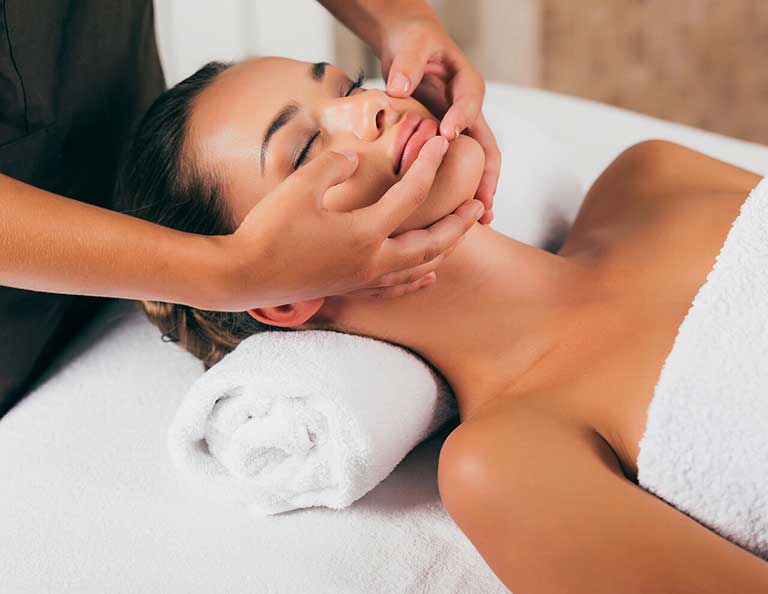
x,y
701,62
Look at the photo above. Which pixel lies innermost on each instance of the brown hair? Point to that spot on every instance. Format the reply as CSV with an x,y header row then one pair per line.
x,y
159,182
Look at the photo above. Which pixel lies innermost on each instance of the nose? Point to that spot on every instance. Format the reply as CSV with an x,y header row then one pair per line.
x,y
366,115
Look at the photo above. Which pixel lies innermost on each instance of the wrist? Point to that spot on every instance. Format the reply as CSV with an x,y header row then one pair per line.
x,y
394,23
376,21
203,273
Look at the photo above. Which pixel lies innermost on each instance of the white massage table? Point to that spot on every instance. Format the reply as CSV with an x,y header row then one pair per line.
x,y
89,502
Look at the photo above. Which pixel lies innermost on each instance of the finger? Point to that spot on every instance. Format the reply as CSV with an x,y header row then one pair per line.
x,y
437,68
467,90
396,290
409,275
405,196
407,70
489,181
423,245
327,169
432,93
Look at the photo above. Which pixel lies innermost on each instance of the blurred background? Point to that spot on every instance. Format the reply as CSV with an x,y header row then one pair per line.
x,y
691,61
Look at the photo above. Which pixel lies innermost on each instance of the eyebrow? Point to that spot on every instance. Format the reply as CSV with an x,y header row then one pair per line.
x,y
317,72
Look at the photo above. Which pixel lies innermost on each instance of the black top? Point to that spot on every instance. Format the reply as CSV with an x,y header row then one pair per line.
x,y
75,75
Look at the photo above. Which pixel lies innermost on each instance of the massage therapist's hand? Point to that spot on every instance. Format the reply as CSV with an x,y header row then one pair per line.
x,y
418,57
290,248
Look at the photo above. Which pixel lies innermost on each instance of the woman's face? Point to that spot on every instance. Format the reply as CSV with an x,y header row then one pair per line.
x,y
262,118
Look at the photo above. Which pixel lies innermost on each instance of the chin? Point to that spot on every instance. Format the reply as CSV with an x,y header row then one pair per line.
x,y
456,182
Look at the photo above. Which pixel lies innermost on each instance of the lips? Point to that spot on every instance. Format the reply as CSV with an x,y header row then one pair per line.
x,y
413,132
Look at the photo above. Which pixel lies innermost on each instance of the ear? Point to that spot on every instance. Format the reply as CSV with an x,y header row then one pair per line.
x,y
289,315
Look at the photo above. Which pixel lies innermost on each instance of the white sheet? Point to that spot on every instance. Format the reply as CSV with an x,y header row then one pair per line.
x,y
89,502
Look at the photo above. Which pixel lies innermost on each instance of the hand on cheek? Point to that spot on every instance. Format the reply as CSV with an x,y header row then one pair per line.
x,y
364,188
456,181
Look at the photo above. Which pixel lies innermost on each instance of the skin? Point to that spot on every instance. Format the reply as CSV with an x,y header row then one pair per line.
x,y
227,126
116,255
552,357
543,479
230,118
419,59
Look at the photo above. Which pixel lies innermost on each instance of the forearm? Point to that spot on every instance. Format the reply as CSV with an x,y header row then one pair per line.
x,y
368,19
58,245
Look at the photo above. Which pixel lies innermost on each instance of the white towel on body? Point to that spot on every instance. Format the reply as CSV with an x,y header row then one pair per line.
x,y
291,420
705,446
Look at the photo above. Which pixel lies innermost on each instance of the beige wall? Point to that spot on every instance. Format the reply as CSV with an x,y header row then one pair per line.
x,y
700,62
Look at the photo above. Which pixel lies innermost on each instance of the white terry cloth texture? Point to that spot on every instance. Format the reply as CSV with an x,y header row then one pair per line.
x,y
291,420
91,503
310,418
705,446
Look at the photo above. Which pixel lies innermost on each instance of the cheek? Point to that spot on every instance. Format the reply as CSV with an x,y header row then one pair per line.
x,y
365,187
456,182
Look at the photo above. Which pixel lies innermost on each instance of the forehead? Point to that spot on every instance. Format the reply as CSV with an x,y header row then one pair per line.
x,y
232,114
250,93
262,78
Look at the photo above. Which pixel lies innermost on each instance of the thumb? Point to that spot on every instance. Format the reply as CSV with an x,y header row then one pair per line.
x,y
406,71
324,171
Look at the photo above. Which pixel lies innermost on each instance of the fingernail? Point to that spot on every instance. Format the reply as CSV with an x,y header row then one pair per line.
x,y
443,145
457,131
479,210
400,83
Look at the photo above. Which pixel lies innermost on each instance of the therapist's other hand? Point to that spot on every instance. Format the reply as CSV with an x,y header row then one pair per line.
x,y
290,248
418,57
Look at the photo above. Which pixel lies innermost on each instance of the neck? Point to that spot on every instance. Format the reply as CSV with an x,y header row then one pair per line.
x,y
495,313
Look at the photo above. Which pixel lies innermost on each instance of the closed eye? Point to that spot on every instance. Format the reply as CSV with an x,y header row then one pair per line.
x,y
305,150
358,83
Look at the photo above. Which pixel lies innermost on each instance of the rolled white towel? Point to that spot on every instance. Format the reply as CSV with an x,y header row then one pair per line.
x,y
309,418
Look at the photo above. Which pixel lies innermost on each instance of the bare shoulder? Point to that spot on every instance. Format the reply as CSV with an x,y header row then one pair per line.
x,y
523,435
542,498
646,175
654,167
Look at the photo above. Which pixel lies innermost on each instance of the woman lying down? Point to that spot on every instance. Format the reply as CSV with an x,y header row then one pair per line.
x,y
553,357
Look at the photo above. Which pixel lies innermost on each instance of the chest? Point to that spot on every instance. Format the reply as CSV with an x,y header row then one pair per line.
x,y
658,263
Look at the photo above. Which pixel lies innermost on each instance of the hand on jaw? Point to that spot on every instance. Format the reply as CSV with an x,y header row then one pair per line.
x,y
419,58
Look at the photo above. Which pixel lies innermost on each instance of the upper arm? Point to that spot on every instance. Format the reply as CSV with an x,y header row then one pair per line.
x,y
544,501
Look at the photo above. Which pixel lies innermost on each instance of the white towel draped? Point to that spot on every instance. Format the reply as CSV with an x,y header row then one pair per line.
x,y
705,447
